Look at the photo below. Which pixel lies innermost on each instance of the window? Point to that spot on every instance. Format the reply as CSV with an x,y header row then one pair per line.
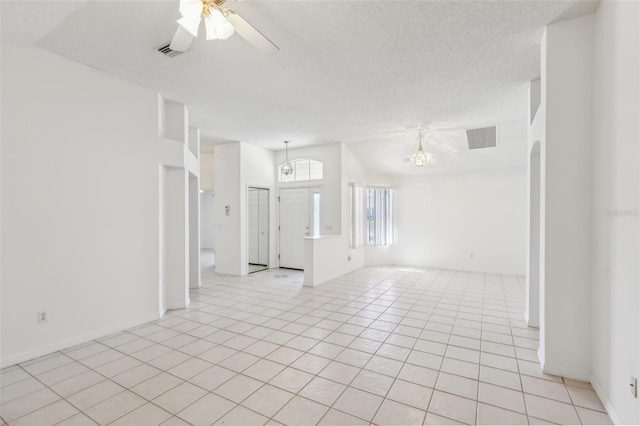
x,y
371,216
302,170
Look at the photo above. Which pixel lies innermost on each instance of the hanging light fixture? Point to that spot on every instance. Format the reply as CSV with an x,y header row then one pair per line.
x,y
420,158
287,167
216,24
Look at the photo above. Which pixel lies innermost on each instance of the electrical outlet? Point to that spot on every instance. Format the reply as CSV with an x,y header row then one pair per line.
x,y
633,385
43,317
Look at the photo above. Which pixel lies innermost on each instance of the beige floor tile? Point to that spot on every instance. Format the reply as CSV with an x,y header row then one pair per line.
x,y
238,388
85,350
95,394
190,368
217,354
457,385
499,362
577,384
79,419
147,414
102,358
339,372
118,366
393,413
585,398
322,390
291,379
434,419
453,407
169,360
239,362
327,350
389,367
537,421
19,389
46,363
62,373
338,418
461,368
150,353
212,378
156,386
261,348
267,400
241,416
424,359
77,383
285,355
301,411
373,382
548,409
206,410
491,415
410,394
114,407
180,397
353,357
49,415
592,417
136,375
11,375
175,421
420,375
394,352
311,363
499,377
545,388
358,403
27,404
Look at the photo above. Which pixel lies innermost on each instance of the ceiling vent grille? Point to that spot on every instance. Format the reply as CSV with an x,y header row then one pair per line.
x,y
167,51
482,138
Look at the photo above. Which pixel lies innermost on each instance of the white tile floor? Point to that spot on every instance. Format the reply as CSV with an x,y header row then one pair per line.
x,y
381,345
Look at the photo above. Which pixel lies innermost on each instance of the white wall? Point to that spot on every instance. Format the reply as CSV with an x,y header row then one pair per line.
x,y
441,220
616,203
207,225
207,171
227,227
566,188
79,179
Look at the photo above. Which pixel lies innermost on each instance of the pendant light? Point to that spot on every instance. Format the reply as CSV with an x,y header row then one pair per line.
x,y
287,167
420,158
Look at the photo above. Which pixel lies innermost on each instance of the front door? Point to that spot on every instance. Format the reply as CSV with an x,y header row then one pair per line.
x,y
294,226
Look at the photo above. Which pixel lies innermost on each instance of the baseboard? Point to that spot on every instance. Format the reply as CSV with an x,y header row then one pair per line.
x,y
611,411
68,343
569,373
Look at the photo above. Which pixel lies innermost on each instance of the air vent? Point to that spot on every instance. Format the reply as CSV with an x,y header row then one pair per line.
x,y
482,138
167,51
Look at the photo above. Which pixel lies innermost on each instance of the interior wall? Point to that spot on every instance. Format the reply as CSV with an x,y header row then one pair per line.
x,y
207,222
207,171
227,219
616,202
567,83
468,222
76,187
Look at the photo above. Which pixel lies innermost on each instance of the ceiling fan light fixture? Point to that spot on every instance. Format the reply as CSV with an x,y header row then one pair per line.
x,y
217,26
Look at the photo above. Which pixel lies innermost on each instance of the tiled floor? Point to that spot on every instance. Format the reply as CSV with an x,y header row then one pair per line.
x,y
381,345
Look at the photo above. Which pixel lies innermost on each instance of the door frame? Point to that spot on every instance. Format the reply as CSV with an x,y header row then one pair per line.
x,y
299,185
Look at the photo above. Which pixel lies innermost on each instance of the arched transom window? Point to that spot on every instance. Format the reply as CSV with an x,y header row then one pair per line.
x,y
302,170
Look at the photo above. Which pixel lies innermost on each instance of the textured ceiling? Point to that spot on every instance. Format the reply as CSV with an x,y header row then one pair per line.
x,y
350,71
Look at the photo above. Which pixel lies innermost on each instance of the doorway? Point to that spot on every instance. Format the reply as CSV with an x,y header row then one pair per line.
x,y
258,229
299,218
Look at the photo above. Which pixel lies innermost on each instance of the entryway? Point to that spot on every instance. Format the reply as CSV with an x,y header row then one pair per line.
x,y
299,218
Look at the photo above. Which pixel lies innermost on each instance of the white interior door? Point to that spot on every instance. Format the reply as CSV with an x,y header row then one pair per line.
x,y
254,226
263,227
294,226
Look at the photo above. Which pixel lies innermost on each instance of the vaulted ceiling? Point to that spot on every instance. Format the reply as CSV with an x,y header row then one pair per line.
x,y
347,71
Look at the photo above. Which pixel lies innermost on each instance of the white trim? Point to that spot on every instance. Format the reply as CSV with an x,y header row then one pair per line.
x,y
68,343
611,411
569,373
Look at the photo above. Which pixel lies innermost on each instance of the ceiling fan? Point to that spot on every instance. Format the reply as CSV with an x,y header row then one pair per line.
x,y
220,24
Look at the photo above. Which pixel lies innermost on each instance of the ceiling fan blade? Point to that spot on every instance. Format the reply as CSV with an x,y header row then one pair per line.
x,y
253,36
181,40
